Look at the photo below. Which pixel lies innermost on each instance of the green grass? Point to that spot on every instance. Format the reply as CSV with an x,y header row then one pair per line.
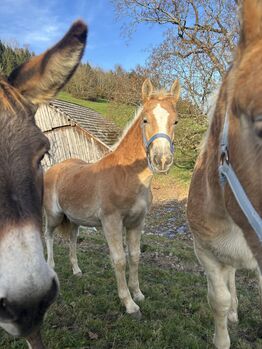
x,y
182,176
176,315
119,114
100,106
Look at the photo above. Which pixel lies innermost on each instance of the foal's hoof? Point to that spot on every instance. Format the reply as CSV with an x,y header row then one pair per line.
x,y
232,316
137,315
222,343
78,274
139,297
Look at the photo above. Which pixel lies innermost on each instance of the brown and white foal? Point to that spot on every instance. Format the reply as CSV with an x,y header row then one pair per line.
x,y
114,193
27,284
224,240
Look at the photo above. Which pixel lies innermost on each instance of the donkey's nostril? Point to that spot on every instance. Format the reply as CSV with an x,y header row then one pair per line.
x,y
6,311
3,306
2,303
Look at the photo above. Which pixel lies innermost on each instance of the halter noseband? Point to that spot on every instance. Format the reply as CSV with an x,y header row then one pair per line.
x,y
227,174
147,144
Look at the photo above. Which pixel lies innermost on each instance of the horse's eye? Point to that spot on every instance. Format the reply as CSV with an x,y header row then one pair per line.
x,y
145,121
176,122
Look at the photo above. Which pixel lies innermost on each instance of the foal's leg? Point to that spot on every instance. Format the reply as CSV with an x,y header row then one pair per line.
x,y
220,301
232,315
219,296
133,243
260,287
113,230
52,221
72,249
49,239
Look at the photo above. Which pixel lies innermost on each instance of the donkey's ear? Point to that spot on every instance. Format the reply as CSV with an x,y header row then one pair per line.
x,y
147,89
175,90
251,20
39,79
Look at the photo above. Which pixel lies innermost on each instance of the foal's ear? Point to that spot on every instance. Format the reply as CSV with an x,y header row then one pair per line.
x,y
147,89
39,79
175,90
251,20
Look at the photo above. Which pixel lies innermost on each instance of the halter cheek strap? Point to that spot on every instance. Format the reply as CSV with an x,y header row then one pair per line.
x,y
147,144
227,174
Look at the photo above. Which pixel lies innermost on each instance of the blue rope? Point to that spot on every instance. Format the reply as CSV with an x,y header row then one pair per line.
x,y
227,174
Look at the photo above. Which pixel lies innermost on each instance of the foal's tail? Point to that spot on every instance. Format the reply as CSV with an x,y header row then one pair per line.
x,y
65,227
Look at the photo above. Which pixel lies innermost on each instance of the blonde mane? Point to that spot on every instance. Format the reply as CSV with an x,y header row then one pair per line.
x,y
210,112
128,127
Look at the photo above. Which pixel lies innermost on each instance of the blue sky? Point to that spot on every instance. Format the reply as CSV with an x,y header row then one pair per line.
x,y
40,23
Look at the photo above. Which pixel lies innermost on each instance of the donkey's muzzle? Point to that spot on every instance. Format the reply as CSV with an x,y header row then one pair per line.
x,y
23,317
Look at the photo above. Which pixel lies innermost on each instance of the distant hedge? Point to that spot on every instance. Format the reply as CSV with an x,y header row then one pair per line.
x,y
11,57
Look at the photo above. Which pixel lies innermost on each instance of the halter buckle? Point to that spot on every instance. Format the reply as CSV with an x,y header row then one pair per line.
x,y
224,157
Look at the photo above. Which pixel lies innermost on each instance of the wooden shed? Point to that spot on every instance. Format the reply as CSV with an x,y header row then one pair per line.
x,y
75,131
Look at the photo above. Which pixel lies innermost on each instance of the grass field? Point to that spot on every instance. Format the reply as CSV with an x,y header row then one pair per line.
x,y
119,114
88,314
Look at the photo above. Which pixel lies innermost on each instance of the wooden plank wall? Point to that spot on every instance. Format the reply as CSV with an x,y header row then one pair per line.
x,y
67,139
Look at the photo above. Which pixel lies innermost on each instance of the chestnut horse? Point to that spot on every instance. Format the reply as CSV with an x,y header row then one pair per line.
x,y
114,193
224,237
27,284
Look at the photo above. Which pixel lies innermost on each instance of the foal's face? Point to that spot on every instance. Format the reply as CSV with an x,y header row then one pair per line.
x,y
27,284
159,117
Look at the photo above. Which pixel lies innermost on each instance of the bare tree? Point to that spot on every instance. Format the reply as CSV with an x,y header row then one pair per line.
x,y
197,44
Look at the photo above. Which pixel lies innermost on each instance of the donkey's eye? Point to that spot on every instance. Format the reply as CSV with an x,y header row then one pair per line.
x,y
39,160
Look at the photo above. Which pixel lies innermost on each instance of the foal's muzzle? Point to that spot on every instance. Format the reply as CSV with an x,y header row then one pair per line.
x,y
159,151
161,160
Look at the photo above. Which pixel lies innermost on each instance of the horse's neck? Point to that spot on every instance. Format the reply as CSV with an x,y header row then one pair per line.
x,y
131,147
243,154
131,153
246,154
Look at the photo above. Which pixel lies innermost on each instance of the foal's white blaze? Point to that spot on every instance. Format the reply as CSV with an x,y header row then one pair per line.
x,y
161,115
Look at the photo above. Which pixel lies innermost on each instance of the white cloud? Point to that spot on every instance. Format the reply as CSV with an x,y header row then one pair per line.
x,y
29,22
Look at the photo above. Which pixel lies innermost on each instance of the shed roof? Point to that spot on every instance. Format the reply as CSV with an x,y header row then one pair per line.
x,y
90,120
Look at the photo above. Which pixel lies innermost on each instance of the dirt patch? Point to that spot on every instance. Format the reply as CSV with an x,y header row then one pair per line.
x,y
168,189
